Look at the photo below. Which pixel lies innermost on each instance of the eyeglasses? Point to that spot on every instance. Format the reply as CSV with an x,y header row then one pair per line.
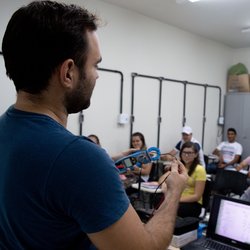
x,y
187,153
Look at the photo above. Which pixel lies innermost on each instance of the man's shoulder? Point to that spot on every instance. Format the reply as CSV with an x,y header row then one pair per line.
x,y
238,144
235,143
195,141
179,144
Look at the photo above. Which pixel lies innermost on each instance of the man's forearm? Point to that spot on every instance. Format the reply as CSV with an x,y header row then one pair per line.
x,y
163,222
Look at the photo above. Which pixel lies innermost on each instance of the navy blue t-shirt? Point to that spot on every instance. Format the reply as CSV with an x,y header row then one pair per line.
x,y
54,186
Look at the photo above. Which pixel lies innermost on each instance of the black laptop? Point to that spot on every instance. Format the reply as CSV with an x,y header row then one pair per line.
x,y
228,226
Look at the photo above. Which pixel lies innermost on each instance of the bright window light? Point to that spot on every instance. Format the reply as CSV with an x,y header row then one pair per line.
x,y
192,1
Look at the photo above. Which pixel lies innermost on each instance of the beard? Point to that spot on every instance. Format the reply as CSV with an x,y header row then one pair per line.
x,y
79,98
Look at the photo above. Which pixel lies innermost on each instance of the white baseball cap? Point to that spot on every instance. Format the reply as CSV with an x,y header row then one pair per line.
x,y
187,130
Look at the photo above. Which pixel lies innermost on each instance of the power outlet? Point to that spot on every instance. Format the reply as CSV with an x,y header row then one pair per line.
x,y
123,118
221,120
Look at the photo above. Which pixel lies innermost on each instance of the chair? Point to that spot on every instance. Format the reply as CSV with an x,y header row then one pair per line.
x,y
229,182
206,199
157,170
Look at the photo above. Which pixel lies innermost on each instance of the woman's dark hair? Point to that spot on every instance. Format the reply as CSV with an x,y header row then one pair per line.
x,y
41,36
196,160
96,138
141,136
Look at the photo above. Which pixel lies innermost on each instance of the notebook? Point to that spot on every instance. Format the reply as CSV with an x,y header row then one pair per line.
x,y
228,226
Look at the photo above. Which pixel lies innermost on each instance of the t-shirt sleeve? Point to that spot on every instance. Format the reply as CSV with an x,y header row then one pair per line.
x,y
247,160
239,149
219,147
197,145
178,146
200,173
85,185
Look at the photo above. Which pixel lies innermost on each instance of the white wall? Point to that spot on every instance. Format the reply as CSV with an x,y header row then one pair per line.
x,y
242,56
135,43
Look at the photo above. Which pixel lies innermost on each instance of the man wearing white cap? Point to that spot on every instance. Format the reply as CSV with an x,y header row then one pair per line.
x,y
187,135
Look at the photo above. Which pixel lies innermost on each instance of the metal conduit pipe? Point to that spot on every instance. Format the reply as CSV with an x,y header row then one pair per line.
x,y
121,82
185,83
81,115
132,118
159,113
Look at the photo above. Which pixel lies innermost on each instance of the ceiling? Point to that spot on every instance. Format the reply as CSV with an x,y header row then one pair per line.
x,y
218,20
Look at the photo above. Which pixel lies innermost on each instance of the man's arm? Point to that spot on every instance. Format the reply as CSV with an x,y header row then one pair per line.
x,y
243,164
145,169
130,233
123,154
235,160
216,152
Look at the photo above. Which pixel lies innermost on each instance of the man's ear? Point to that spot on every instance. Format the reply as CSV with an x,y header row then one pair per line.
x,y
67,73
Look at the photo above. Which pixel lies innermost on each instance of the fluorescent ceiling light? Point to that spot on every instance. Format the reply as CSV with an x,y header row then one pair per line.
x,y
185,1
246,29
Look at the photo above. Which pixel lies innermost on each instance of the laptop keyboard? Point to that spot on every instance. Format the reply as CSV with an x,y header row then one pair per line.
x,y
209,244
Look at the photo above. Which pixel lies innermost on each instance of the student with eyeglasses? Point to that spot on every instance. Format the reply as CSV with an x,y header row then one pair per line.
x,y
191,198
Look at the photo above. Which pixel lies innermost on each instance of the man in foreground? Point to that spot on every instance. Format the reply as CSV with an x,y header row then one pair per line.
x,y
58,190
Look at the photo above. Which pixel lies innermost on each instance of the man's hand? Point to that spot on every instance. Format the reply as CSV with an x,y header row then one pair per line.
x,y
177,179
239,167
222,165
167,157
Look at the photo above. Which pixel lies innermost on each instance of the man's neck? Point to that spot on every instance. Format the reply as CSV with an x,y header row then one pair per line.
x,y
37,104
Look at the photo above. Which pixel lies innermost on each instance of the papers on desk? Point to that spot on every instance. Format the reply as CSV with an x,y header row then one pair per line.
x,y
149,187
152,185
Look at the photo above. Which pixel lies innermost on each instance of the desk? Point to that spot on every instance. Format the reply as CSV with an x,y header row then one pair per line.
x,y
149,196
149,187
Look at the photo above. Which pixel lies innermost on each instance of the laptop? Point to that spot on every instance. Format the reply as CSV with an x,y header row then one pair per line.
x,y
228,226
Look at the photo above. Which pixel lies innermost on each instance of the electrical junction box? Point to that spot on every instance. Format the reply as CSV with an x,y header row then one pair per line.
x,y
221,120
123,118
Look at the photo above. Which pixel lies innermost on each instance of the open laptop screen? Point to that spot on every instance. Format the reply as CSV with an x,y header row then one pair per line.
x,y
230,221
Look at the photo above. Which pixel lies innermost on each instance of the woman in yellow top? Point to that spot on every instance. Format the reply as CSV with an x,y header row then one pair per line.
x,y
191,198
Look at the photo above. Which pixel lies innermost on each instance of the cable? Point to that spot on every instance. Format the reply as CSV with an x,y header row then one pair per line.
x,y
139,184
154,197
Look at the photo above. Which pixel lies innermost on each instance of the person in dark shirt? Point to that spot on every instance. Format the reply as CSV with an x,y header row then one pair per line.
x,y
59,190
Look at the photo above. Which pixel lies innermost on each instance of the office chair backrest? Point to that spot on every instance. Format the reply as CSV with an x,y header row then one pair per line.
x,y
227,182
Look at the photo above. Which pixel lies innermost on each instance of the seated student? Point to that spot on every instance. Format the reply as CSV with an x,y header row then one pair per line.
x,y
138,142
191,199
187,135
229,153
